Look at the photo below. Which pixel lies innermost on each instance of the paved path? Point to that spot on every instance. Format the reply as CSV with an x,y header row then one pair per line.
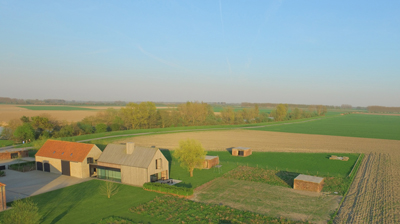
x,y
25,184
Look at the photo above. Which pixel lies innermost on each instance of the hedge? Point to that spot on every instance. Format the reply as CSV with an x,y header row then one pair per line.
x,y
168,189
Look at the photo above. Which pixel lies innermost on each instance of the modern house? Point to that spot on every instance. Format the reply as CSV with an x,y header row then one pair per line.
x,y
210,161
67,158
241,151
130,164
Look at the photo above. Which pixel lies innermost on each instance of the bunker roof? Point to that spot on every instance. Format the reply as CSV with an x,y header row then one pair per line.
x,y
308,178
241,148
211,157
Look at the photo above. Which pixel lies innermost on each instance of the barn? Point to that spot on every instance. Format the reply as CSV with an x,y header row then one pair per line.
x,y
308,183
210,161
130,164
241,151
67,158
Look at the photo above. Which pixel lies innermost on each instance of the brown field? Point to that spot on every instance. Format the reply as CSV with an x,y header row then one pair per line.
x,y
9,112
374,196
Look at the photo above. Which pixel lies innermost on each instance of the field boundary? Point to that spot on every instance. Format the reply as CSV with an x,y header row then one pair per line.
x,y
356,166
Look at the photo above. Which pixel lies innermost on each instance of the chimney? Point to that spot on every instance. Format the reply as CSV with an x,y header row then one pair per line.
x,y
130,146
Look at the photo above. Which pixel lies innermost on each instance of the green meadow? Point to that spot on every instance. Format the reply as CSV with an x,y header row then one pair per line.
x,y
351,125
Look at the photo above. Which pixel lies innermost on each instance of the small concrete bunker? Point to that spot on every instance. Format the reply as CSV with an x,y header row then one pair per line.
x,y
210,161
308,183
241,151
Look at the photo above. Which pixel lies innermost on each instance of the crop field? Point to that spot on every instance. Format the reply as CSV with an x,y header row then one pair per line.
x,y
64,108
267,199
374,196
9,112
263,141
352,125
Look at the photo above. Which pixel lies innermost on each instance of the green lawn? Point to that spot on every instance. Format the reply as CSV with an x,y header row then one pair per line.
x,y
64,108
352,125
4,143
83,203
312,163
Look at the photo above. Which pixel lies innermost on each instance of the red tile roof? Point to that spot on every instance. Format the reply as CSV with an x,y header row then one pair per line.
x,y
70,151
1,185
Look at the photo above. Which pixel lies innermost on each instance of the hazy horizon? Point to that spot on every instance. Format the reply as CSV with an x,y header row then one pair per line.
x,y
300,52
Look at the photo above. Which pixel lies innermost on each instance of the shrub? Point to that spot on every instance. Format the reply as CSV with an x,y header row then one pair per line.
x,y
23,212
100,128
171,189
2,173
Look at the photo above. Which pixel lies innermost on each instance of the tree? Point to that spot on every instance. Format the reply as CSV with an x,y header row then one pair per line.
x,y
190,154
24,132
23,212
25,119
109,189
100,128
281,111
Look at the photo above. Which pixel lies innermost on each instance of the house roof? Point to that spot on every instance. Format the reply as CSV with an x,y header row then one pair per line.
x,y
70,151
241,148
308,178
2,185
116,154
10,150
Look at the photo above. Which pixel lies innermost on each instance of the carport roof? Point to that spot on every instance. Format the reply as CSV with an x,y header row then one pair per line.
x,y
69,151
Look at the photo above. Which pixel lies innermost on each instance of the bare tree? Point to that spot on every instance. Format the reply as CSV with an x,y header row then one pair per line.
x,y
109,189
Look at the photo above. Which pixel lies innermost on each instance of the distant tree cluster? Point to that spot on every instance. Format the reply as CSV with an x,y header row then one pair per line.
x,y
7,100
145,115
381,109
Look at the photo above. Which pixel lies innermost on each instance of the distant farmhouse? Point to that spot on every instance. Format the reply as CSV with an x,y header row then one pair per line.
x,y
67,158
130,164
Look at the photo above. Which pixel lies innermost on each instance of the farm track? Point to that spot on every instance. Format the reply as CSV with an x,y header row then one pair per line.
x,y
374,195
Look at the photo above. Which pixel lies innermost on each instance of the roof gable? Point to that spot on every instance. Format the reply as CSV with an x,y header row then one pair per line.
x,y
116,154
69,151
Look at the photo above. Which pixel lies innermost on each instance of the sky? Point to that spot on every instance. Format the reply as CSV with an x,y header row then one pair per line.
x,y
302,52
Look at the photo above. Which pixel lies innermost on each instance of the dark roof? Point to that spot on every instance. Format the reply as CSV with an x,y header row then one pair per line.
x,y
11,149
116,154
70,151
210,157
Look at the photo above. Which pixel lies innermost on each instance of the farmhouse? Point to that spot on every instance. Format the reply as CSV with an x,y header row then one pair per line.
x,y
13,153
130,164
241,151
67,158
3,205
210,161
308,183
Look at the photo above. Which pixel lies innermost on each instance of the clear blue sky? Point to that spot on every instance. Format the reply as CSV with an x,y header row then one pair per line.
x,y
309,51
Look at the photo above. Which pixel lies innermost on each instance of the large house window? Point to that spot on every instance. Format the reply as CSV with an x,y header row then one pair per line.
x,y
90,160
158,163
109,173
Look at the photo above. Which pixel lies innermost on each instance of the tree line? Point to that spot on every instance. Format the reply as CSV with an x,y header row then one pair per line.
x,y
145,115
381,109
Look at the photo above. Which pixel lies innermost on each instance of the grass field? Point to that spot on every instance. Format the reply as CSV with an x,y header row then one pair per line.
x,y
269,200
4,143
352,125
64,108
312,163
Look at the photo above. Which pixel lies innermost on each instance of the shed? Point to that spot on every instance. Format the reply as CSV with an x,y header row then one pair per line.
x,y
3,201
13,153
308,183
130,164
241,151
67,158
210,161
